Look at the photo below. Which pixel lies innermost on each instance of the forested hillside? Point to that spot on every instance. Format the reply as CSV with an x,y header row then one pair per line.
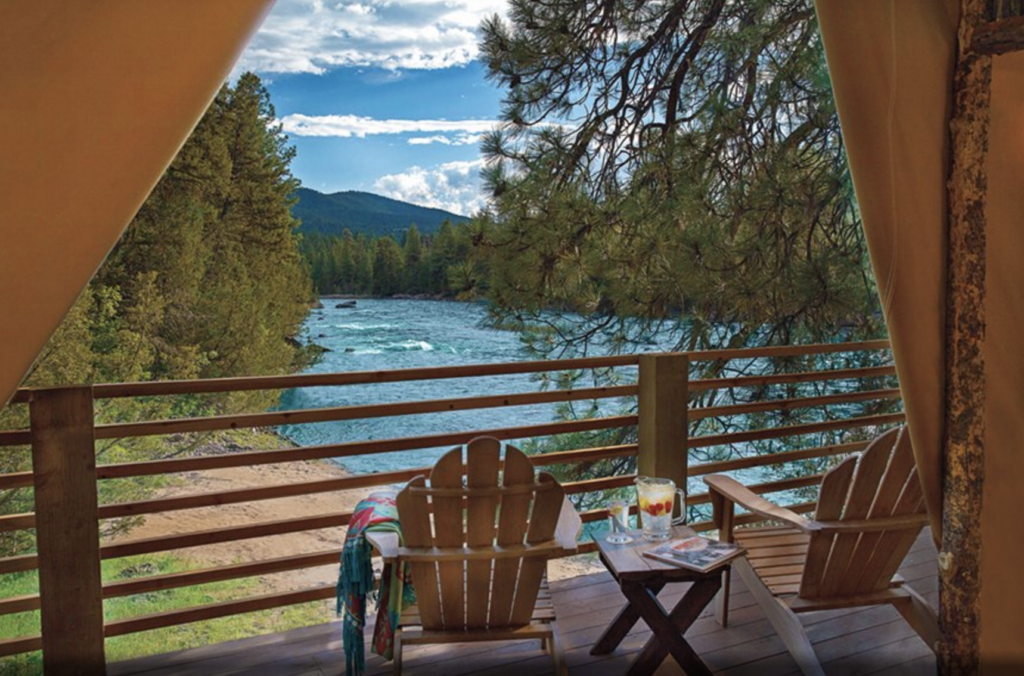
x,y
364,213
442,264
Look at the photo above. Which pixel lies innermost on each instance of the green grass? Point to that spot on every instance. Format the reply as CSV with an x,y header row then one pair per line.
x,y
158,640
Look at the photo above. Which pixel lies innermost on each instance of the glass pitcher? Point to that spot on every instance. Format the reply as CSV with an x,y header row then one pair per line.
x,y
656,498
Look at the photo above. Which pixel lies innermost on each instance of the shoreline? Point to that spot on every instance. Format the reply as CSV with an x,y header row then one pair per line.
x,y
399,296
277,546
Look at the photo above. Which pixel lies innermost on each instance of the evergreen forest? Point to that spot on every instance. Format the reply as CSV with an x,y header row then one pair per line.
x,y
442,265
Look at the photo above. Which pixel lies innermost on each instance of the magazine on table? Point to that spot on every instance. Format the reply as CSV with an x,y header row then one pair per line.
x,y
695,552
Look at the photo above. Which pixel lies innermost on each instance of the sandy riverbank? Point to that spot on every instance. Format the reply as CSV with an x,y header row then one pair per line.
x,y
223,516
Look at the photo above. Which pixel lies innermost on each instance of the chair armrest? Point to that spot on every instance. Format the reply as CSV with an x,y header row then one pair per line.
x,y
735,492
385,542
569,527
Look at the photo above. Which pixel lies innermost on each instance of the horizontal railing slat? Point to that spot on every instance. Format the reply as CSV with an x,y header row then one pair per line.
x,y
786,350
15,438
790,404
19,604
599,484
245,384
592,515
584,455
793,430
747,519
242,384
151,467
163,543
22,644
700,385
12,522
234,496
16,480
767,459
19,564
145,585
767,487
154,583
211,611
316,415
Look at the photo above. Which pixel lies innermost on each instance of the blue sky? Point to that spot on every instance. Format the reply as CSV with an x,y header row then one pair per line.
x,y
384,96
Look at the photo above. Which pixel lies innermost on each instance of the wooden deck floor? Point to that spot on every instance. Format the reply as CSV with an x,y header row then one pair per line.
x,y
849,642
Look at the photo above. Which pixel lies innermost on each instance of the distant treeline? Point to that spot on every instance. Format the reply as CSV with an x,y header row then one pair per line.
x,y
442,264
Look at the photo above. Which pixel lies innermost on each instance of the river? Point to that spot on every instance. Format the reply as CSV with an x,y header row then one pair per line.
x,y
379,334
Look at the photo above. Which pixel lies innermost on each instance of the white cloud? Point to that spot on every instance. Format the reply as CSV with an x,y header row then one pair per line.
x,y
454,186
312,36
427,140
463,139
349,126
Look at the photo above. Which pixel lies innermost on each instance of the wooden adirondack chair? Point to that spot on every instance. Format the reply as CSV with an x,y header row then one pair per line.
x,y
477,540
870,511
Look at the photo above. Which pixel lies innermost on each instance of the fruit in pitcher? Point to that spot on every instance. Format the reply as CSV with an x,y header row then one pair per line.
x,y
655,508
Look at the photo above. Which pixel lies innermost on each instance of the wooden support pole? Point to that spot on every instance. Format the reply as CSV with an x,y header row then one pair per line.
x,y
963,472
662,427
67,531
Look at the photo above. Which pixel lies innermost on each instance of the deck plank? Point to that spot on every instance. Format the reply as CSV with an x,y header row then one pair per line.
x,y
852,642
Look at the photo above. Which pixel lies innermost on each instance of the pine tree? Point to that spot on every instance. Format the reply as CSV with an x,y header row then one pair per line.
x,y
387,267
413,257
347,262
699,177
441,257
365,250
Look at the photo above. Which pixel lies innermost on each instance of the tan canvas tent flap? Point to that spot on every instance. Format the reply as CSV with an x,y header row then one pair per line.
x,y
891,64
97,98
1002,580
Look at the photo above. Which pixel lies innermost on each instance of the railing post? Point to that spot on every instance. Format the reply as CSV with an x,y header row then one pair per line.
x,y
663,399
67,531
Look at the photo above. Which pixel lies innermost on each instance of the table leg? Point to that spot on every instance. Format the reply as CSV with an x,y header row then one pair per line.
x,y
668,629
620,626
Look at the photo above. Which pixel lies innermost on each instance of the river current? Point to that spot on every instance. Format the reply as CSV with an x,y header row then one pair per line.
x,y
380,334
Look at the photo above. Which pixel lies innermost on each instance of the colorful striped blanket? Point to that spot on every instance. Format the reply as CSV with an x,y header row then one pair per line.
x,y
355,582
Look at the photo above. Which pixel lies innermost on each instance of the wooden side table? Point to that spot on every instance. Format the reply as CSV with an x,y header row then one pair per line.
x,y
641,578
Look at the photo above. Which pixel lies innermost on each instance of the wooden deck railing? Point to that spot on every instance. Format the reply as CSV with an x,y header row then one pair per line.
x,y
67,514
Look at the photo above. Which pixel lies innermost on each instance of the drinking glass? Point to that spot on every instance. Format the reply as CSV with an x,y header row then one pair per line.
x,y
618,518
656,499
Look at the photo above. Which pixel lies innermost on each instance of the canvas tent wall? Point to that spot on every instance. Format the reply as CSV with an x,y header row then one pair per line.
x,y
891,63
97,98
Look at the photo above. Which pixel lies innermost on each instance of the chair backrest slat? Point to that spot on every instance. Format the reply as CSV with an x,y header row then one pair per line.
x,y
414,515
490,590
884,484
481,514
448,532
901,467
512,524
893,545
870,468
835,486
541,529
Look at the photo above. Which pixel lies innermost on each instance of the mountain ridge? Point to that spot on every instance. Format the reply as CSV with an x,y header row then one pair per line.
x,y
364,213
